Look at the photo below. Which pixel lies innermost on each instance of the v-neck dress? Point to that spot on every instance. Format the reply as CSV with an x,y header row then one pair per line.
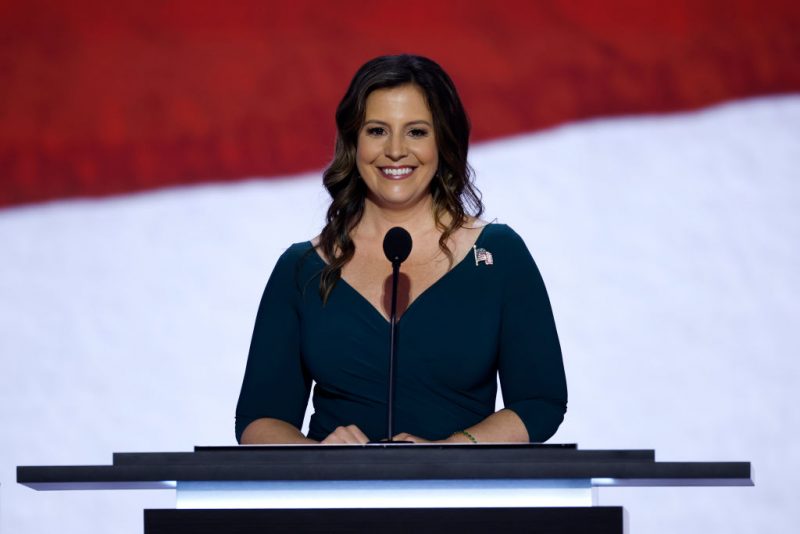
x,y
476,321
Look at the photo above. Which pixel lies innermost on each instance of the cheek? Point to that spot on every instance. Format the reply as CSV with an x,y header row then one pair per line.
x,y
429,153
367,150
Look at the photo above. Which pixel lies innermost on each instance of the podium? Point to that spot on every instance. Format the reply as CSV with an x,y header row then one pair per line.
x,y
386,488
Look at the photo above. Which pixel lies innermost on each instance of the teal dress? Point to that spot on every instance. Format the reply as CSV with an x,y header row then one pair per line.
x,y
476,321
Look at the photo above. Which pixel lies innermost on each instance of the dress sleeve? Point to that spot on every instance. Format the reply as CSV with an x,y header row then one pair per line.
x,y
275,383
530,366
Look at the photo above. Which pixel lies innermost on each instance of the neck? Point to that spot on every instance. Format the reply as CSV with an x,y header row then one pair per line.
x,y
377,220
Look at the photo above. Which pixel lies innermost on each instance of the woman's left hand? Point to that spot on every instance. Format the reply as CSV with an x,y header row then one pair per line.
x,y
405,436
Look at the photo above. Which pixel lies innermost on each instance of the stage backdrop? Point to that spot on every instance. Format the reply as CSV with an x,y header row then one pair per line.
x,y
156,159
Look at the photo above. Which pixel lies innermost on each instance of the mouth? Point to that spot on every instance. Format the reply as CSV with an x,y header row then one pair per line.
x,y
396,173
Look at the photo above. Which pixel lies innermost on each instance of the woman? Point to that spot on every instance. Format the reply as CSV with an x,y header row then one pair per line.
x,y
471,302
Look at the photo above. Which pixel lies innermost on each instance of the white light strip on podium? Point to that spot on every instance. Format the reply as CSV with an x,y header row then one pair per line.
x,y
385,494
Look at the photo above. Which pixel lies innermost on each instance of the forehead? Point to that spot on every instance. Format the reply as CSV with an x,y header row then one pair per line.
x,y
405,102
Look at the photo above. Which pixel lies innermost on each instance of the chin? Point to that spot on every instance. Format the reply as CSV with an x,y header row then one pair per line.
x,y
400,195
396,201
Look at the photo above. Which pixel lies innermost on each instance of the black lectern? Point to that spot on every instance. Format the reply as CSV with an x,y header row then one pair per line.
x,y
385,488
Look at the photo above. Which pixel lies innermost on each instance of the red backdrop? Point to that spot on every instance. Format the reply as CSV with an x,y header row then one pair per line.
x,y
99,98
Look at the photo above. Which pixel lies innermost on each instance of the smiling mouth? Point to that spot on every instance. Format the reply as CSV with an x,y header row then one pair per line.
x,y
396,173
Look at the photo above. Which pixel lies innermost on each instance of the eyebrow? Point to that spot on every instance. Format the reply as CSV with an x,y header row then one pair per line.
x,y
376,121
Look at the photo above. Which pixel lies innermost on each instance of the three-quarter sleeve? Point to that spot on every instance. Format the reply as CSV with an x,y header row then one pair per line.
x,y
530,365
275,383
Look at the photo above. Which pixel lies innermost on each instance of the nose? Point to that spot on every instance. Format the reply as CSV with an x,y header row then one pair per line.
x,y
396,147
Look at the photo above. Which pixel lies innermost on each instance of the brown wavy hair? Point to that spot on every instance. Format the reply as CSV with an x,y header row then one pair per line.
x,y
451,189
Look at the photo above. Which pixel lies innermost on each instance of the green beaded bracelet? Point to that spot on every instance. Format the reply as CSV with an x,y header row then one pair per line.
x,y
470,436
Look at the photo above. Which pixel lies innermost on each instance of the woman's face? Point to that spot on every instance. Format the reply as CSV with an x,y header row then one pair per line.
x,y
396,154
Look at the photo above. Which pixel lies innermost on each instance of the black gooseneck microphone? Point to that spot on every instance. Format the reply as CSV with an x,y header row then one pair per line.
x,y
397,247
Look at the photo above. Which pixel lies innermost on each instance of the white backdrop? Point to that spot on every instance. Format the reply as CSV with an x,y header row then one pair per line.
x,y
669,245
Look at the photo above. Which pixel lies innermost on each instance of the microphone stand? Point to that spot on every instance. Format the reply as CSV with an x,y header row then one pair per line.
x,y
397,246
392,348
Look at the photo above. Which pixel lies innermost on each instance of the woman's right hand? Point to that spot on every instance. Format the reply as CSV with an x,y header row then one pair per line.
x,y
349,434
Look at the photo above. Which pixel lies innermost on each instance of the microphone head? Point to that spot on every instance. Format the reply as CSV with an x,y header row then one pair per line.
x,y
397,245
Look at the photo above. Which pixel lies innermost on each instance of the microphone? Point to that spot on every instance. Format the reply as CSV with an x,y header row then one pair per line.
x,y
397,247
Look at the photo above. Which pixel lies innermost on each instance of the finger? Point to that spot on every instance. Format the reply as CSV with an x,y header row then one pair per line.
x,y
349,435
357,435
337,437
332,439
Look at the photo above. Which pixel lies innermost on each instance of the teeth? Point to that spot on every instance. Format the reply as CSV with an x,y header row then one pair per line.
x,y
397,172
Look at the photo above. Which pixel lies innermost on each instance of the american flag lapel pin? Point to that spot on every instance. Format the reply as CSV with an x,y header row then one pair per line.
x,y
482,255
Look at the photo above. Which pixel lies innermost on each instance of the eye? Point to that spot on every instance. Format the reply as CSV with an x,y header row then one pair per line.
x,y
375,131
418,132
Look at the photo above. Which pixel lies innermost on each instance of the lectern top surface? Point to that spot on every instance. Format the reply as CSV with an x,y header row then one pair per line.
x,y
386,445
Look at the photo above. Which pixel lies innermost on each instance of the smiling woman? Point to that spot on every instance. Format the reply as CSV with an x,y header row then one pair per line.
x,y
401,160
386,85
